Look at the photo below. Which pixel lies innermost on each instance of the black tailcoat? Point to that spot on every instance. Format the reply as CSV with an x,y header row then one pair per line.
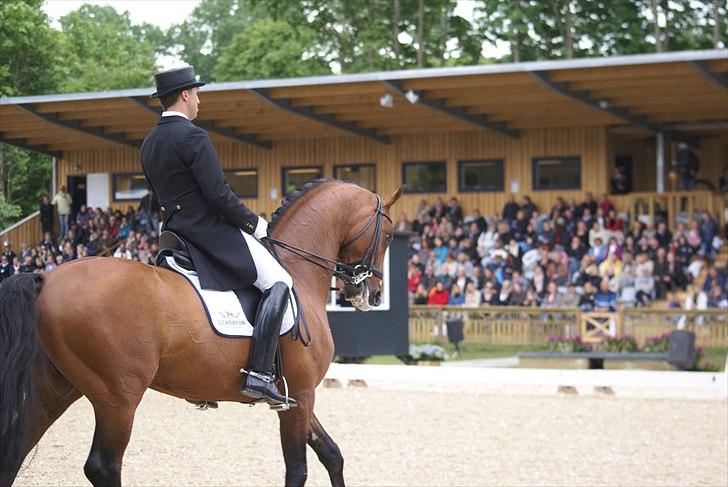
x,y
197,203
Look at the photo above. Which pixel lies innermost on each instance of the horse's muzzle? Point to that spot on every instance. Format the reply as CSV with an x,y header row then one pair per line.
x,y
375,298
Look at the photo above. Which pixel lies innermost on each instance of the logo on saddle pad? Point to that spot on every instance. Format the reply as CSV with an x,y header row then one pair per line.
x,y
231,318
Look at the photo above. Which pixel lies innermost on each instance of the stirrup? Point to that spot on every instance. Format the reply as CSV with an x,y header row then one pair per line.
x,y
268,379
286,405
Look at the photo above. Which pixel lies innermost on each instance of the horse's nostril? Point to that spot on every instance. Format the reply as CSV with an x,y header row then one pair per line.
x,y
377,298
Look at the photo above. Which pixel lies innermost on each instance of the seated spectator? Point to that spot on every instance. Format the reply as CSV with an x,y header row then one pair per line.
x,y
122,252
456,297
420,295
438,295
490,295
472,296
605,299
644,286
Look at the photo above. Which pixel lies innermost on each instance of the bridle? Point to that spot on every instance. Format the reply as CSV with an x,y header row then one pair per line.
x,y
352,273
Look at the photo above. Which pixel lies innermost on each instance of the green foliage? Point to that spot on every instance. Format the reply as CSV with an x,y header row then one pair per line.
x,y
8,212
104,51
26,178
267,49
27,49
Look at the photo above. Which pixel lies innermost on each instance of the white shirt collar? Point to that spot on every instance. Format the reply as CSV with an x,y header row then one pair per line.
x,y
172,113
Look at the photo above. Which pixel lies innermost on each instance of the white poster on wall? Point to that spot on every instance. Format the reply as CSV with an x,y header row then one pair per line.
x,y
97,190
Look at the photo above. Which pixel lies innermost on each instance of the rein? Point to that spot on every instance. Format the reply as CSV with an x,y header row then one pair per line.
x,y
353,273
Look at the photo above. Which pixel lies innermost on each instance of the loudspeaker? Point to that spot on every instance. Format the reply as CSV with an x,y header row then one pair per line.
x,y
455,330
680,351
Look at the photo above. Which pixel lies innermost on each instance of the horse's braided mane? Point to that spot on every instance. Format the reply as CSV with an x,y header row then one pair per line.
x,y
291,199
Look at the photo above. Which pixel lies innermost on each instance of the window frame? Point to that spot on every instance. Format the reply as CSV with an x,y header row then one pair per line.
x,y
114,185
373,165
534,163
461,183
319,168
225,171
439,162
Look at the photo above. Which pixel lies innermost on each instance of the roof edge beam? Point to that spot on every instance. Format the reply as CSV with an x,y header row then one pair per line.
x,y
442,107
702,67
328,119
76,125
40,149
211,126
583,96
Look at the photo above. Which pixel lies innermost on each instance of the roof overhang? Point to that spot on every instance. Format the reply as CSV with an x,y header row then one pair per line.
x,y
654,91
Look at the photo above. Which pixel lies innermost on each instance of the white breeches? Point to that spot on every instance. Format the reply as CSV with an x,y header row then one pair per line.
x,y
269,272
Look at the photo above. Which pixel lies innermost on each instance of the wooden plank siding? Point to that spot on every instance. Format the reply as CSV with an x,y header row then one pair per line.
x,y
588,142
26,230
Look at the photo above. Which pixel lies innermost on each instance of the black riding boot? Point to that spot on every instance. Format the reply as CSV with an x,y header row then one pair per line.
x,y
259,381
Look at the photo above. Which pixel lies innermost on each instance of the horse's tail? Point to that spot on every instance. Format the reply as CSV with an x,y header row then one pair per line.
x,y
18,347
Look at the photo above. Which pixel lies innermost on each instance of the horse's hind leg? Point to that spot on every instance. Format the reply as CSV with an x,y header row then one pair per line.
x,y
327,451
113,429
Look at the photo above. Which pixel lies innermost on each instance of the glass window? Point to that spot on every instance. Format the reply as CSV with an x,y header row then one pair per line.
x,y
557,173
244,182
130,186
480,175
425,177
295,177
364,175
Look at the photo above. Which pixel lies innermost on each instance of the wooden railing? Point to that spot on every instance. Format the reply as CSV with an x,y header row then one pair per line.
x,y
26,230
676,206
533,326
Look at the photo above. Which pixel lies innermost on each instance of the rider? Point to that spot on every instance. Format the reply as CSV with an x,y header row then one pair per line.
x,y
221,233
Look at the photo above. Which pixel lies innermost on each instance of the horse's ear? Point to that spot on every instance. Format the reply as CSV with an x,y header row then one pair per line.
x,y
392,198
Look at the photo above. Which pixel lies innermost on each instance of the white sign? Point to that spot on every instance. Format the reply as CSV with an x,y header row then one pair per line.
x,y
97,190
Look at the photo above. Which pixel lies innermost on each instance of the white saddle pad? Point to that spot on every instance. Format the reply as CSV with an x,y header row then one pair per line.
x,y
223,309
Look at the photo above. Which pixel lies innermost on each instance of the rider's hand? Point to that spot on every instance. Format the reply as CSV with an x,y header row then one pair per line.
x,y
261,230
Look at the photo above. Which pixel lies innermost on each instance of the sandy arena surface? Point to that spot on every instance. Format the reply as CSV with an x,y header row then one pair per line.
x,y
414,438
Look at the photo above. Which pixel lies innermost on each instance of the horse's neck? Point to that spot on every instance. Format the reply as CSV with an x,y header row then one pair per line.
x,y
314,227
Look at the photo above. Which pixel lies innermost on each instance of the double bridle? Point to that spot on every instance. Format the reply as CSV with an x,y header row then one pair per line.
x,y
353,273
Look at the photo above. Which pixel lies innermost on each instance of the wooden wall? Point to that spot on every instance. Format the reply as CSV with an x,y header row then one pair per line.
x,y
712,152
588,142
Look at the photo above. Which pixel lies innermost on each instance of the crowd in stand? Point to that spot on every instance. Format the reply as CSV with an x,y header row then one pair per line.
x,y
128,235
573,255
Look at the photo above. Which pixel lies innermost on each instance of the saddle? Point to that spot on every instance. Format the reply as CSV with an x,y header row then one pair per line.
x,y
172,245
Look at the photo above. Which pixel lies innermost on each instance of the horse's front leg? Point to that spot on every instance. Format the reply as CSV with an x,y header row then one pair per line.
x,y
327,451
295,426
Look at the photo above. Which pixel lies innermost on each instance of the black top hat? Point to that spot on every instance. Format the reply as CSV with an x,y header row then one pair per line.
x,y
175,79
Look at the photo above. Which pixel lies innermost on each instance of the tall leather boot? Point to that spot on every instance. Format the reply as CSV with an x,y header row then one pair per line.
x,y
259,381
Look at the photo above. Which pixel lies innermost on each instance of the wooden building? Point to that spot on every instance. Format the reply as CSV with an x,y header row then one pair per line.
x,y
543,129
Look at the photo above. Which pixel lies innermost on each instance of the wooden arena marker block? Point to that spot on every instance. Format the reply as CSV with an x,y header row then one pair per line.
x,y
357,383
333,383
567,390
604,390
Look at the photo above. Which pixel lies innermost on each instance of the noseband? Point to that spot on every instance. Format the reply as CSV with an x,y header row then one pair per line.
x,y
353,273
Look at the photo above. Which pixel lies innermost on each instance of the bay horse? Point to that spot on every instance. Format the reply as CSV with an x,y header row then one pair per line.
x,y
108,329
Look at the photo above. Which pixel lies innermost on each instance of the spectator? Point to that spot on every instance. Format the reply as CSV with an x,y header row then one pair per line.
x,y
46,215
122,252
62,201
472,296
420,296
6,267
687,166
605,299
456,297
438,295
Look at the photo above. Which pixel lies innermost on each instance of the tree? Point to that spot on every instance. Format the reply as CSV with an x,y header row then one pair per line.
x,y
27,49
269,49
104,51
